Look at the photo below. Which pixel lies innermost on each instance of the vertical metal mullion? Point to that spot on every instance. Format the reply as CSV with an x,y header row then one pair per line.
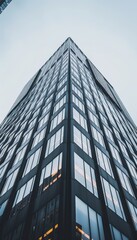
x,y
68,198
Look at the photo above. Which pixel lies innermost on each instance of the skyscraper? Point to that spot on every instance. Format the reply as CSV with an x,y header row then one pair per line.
x,y
4,4
68,156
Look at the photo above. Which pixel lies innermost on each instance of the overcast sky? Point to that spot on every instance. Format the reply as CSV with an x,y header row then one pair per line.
x,y
106,31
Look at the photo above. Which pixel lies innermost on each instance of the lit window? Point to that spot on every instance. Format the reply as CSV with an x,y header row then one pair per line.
x,y
51,173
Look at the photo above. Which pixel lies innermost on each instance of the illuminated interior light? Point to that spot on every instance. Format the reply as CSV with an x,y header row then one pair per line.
x,y
54,173
56,226
48,232
55,180
45,187
82,232
40,238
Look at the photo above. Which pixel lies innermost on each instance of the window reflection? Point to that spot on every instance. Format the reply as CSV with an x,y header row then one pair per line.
x,y
88,222
51,173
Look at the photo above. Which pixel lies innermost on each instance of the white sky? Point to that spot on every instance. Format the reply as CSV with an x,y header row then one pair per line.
x,y
106,31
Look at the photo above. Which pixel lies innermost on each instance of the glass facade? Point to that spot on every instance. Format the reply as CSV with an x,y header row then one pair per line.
x,y
4,4
68,157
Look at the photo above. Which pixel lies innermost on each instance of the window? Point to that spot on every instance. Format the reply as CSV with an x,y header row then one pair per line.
x,y
85,174
115,153
32,123
77,91
38,137
19,155
112,198
61,82
88,222
24,191
100,107
32,161
60,104
45,220
61,92
93,118
108,133
98,136
17,137
10,180
10,152
90,105
80,119
88,94
82,141
125,182
3,169
2,207
123,148
133,211
26,137
82,221
104,161
78,103
46,108
132,169
103,118
58,119
117,235
76,81
55,141
117,133
43,120
51,173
